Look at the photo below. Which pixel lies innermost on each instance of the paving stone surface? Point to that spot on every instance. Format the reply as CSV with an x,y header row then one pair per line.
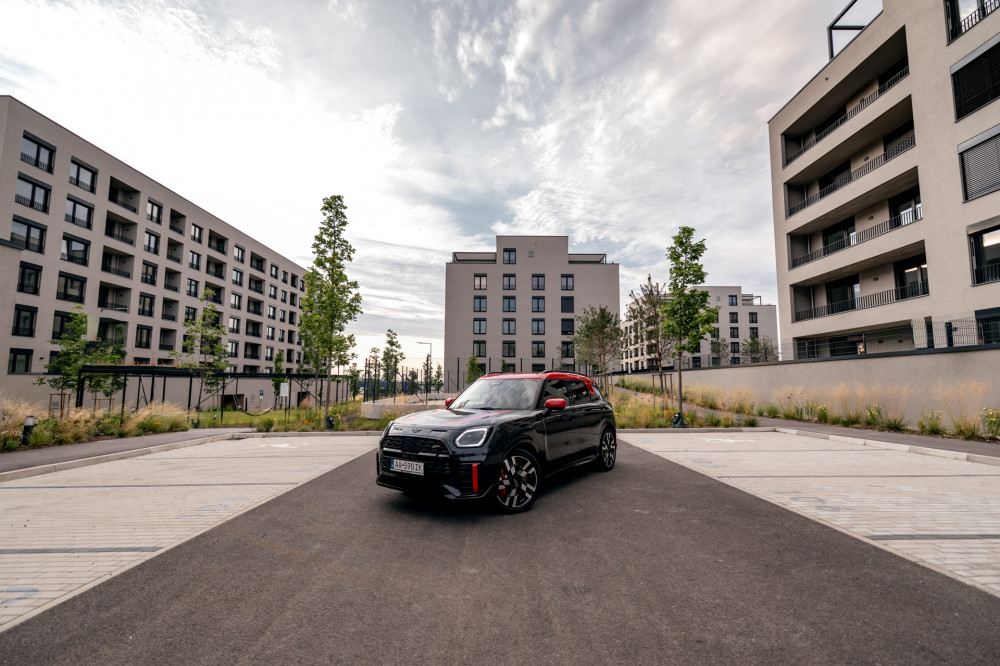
x,y
64,532
944,514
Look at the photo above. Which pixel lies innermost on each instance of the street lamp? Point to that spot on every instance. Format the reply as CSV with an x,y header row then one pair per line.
x,y
427,384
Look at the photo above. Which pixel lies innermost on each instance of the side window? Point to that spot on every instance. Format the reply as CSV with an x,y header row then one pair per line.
x,y
556,388
579,392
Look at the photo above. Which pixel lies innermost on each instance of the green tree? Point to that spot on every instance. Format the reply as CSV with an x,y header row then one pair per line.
x,y
413,381
687,317
472,370
354,378
428,371
757,350
202,353
374,371
720,348
392,356
438,379
331,300
599,338
278,374
644,311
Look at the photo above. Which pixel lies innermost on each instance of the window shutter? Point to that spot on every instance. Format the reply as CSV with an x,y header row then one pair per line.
x,y
978,83
981,168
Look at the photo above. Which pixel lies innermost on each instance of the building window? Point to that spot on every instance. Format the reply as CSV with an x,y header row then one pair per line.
x,y
479,348
734,317
268,353
272,291
194,260
981,167
237,277
537,282
28,235
509,327
509,255
281,335
234,325
148,273
568,326
70,288
537,350
509,281
32,194
24,320
479,281
233,350
696,362
192,287
538,327
754,333
284,296
753,317
239,254
19,361
567,349
151,242
734,332
75,250
274,271
291,317
715,333
509,349
479,327
36,154
29,277
147,304
269,332
734,347
196,233
82,177
235,300
567,304
272,312
79,213
986,256
566,282
154,212
143,337
735,360
479,304
509,304
281,316
977,83
538,304
190,314
732,300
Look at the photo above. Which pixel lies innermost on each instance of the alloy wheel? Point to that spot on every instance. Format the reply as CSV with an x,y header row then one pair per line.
x,y
609,450
518,483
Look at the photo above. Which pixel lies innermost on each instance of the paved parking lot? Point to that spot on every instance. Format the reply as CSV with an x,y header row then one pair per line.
x,y
944,514
65,532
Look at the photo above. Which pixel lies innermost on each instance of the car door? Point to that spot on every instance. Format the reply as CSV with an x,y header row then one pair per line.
x,y
585,418
561,439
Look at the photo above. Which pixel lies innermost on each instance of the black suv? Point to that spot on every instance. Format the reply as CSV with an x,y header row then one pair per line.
x,y
499,438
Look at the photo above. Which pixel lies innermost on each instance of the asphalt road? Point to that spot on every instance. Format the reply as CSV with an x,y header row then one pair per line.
x,y
650,563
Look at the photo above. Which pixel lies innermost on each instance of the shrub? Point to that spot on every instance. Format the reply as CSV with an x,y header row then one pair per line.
x,y
822,414
991,423
39,437
727,420
791,411
963,403
750,421
712,419
873,415
771,410
266,424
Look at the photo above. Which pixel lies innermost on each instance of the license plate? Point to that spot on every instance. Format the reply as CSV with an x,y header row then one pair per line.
x,y
407,466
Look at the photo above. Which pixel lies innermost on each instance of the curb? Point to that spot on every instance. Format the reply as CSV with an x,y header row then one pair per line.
x,y
15,474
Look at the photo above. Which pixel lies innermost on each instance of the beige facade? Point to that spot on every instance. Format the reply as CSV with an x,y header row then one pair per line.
x,y
742,317
884,183
518,306
79,227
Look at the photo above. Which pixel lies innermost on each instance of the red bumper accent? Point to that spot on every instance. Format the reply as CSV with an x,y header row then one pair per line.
x,y
475,477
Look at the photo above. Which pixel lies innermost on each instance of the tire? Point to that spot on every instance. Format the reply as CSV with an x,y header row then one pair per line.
x,y
518,483
607,450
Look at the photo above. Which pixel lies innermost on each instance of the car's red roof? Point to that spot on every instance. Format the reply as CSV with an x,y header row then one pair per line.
x,y
540,375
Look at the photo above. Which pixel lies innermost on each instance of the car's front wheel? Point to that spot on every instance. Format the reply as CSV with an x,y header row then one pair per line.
x,y
519,482
607,450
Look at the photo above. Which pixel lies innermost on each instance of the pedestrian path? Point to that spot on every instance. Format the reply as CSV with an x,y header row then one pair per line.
x,y
64,532
942,513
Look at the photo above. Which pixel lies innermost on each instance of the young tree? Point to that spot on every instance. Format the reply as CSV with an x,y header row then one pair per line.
x,y
472,370
374,369
644,311
599,337
392,356
413,381
757,350
202,352
331,300
438,379
687,317
354,379
428,370
277,375
720,348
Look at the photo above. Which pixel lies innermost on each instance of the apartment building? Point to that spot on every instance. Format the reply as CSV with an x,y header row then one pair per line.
x,y
885,173
516,308
79,227
742,317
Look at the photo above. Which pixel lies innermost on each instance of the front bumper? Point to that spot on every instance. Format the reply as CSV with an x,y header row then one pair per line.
x,y
454,475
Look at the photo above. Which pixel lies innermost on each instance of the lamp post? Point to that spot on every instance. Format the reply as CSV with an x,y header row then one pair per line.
x,y
430,352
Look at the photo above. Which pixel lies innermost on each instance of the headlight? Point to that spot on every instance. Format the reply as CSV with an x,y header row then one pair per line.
x,y
472,437
385,432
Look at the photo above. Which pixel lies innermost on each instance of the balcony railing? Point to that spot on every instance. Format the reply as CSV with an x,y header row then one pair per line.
x,y
981,12
31,203
892,151
882,89
256,311
72,298
105,305
257,266
253,333
985,274
79,221
24,331
253,355
33,244
171,287
173,257
34,161
218,247
166,347
26,288
126,206
75,258
108,268
169,317
119,237
259,290
856,238
913,290
219,274
148,279
177,229
79,183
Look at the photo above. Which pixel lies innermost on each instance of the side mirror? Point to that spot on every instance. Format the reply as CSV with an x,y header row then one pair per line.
x,y
448,401
555,403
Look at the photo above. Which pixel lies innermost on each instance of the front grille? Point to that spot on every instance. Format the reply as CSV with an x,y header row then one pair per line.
x,y
416,445
436,470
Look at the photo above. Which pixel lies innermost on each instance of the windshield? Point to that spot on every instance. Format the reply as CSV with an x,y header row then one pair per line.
x,y
499,394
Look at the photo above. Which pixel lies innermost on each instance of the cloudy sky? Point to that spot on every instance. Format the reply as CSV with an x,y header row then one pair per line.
x,y
442,123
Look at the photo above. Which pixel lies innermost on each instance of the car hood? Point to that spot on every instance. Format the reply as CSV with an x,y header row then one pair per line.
x,y
458,418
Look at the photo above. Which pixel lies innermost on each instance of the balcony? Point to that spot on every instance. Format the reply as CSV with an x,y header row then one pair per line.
x,y
882,89
177,229
171,287
110,233
861,236
124,204
892,151
252,355
987,274
259,290
906,292
169,317
109,305
166,347
960,27
173,257
108,268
